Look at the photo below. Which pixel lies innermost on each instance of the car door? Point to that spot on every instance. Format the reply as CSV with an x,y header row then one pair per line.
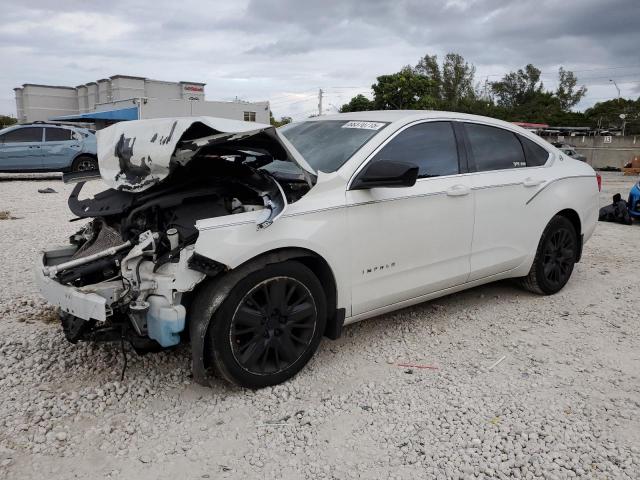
x,y
60,147
509,169
20,149
410,241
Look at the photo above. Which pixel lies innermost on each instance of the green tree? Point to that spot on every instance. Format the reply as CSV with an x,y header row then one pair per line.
x,y
567,93
359,103
6,121
403,90
517,88
279,123
607,114
457,80
428,67
518,96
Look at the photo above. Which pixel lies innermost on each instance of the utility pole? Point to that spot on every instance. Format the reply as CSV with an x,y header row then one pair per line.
x,y
320,92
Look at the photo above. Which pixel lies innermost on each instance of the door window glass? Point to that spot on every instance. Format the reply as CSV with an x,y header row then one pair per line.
x,y
57,134
534,153
431,146
494,148
23,135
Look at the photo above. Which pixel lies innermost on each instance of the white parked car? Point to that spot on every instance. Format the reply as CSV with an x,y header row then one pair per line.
x,y
252,243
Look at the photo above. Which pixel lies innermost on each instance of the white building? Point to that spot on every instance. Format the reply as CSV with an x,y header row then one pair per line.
x,y
122,97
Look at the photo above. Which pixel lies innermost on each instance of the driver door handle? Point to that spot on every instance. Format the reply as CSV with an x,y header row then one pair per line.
x,y
532,182
458,191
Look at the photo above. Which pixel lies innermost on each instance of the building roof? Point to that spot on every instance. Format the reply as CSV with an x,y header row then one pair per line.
x,y
126,76
119,114
46,86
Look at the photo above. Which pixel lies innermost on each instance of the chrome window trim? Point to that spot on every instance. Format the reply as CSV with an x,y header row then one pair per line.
x,y
547,164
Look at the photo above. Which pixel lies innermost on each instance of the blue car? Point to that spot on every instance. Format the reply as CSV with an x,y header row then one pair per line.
x,y
634,201
44,147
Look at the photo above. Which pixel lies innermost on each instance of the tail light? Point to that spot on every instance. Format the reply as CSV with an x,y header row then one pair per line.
x,y
599,180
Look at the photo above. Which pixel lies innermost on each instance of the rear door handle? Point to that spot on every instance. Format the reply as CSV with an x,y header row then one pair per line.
x,y
458,191
532,182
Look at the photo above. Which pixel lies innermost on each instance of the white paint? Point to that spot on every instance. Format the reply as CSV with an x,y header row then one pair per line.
x,y
439,243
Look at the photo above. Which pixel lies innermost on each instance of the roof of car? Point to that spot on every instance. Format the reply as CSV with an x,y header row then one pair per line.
x,y
405,116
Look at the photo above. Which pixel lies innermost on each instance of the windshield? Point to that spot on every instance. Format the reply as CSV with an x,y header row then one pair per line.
x,y
327,144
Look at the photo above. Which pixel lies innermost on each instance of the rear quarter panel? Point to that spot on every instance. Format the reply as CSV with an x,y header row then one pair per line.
x,y
572,186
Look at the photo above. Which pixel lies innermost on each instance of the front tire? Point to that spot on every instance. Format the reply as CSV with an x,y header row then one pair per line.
x,y
555,258
269,326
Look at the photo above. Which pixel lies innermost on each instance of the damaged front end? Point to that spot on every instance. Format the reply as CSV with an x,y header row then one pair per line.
x,y
128,272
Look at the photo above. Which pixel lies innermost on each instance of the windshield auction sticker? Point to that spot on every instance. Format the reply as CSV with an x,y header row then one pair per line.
x,y
364,125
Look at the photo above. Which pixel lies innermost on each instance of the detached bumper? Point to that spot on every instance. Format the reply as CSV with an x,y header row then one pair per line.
x,y
85,305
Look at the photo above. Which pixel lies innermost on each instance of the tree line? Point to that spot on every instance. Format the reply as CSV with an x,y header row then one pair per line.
x,y
6,121
518,96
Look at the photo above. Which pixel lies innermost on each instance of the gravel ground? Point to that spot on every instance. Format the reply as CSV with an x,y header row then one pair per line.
x,y
564,401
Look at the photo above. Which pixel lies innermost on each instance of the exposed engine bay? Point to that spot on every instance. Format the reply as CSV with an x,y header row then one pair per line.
x,y
128,272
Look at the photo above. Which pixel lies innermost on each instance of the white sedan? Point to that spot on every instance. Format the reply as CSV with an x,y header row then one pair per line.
x,y
253,243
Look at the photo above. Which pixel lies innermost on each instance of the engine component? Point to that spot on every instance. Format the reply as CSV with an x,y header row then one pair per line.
x,y
106,237
138,314
54,269
165,321
90,273
173,237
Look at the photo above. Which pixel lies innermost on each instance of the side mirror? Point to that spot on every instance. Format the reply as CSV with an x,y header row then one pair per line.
x,y
386,173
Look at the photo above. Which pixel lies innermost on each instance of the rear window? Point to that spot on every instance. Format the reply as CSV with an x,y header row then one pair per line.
x,y
57,134
327,144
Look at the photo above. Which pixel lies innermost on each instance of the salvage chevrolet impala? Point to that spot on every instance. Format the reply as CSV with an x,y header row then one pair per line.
x,y
252,243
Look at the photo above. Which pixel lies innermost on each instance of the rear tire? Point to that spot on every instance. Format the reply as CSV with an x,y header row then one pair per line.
x,y
555,258
268,327
84,163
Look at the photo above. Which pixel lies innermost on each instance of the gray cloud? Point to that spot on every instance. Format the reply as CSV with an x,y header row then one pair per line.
x,y
260,49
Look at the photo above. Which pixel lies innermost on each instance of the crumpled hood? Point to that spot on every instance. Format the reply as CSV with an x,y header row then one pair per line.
x,y
135,155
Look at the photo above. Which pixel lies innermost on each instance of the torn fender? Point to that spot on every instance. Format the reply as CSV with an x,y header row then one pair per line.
x,y
135,155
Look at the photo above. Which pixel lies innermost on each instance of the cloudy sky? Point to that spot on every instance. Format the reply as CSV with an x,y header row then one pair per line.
x,y
284,50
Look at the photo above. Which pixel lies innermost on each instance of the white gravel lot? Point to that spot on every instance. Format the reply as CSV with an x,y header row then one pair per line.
x,y
563,403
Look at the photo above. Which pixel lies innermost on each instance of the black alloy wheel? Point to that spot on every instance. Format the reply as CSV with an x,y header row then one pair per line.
x,y
273,325
555,258
559,256
267,328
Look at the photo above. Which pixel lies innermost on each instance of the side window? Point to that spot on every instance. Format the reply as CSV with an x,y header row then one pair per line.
x,y
431,146
494,148
57,134
24,135
534,154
